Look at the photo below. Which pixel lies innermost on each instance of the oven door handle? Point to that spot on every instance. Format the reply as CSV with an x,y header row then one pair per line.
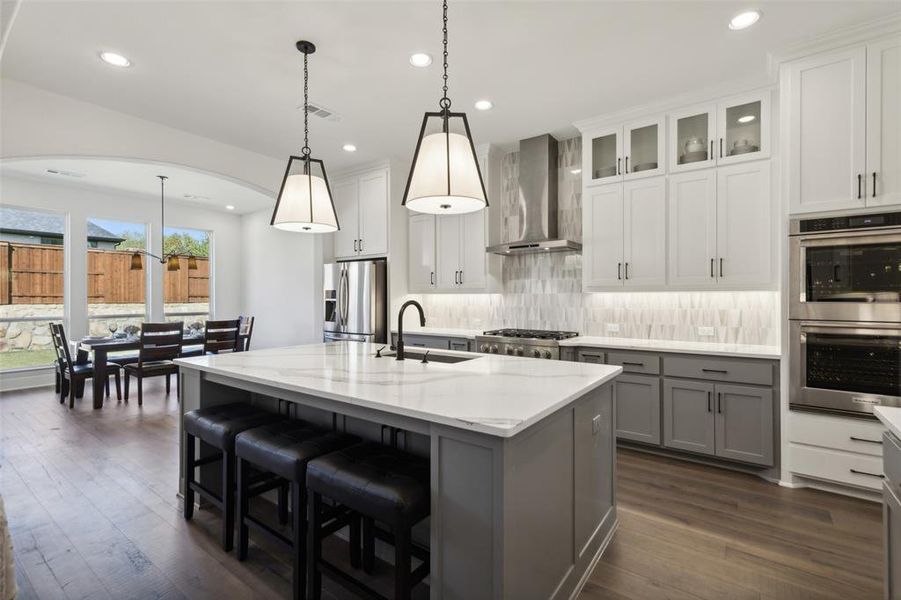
x,y
874,236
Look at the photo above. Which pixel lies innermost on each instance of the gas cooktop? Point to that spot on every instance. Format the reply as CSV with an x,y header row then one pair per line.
x,y
535,334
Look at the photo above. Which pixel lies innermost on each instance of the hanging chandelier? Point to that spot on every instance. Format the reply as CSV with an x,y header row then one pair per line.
x,y
171,261
445,177
305,200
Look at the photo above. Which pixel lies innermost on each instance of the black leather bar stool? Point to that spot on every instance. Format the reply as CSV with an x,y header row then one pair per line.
x,y
283,450
377,482
218,426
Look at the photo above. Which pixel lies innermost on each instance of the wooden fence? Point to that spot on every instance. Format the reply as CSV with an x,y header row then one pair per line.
x,y
33,274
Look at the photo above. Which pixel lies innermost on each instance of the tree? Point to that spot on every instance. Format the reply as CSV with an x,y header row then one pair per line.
x,y
133,239
186,244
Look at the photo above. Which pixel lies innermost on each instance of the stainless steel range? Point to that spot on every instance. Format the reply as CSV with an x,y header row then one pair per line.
x,y
534,343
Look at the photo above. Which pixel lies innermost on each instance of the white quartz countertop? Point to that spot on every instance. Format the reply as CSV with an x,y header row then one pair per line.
x,y
492,394
441,332
890,417
713,348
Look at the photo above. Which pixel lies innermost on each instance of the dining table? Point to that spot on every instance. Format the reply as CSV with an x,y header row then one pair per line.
x,y
101,347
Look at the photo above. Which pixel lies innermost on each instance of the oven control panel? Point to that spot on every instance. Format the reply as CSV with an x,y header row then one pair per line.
x,y
850,222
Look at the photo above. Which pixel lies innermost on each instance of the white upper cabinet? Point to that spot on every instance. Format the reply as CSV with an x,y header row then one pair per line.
x,y
644,225
473,269
744,225
883,174
361,203
632,151
422,253
448,235
827,131
692,138
602,237
692,228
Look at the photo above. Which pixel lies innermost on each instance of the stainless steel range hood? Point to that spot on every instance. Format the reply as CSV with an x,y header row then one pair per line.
x,y
537,201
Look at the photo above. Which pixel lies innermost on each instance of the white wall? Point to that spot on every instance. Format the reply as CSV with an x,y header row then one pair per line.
x,y
282,275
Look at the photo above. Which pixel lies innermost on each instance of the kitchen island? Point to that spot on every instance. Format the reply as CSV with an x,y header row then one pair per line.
x,y
522,451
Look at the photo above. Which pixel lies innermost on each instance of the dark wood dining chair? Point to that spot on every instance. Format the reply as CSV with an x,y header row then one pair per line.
x,y
73,373
221,336
160,344
245,331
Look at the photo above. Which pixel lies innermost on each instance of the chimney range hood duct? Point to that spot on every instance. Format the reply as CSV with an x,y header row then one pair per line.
x,y
537,201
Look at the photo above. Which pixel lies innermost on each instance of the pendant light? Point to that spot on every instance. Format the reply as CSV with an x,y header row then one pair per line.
x,y
305,200
445,177
171,261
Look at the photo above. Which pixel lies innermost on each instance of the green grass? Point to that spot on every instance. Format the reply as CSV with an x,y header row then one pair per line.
x,y
23,359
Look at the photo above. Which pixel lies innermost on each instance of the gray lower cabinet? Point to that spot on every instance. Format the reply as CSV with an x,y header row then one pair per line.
x,y
689,420
637,408
433,341
588,355
744,423
460,345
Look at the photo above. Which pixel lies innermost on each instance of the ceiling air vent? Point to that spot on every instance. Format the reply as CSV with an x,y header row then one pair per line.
x,y
66,173
317,110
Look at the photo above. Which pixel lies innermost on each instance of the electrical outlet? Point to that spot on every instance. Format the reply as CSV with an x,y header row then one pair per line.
x,y
706,331
595,424
612,327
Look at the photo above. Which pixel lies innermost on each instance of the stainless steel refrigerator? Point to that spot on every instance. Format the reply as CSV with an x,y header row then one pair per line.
x,y
356,301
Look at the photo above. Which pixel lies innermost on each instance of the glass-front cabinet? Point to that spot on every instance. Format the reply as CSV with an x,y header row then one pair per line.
x,y
627,152
734,130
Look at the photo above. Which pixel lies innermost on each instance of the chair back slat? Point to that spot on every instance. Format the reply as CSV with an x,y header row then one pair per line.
x,y
221,336
245,330
61,345
160,341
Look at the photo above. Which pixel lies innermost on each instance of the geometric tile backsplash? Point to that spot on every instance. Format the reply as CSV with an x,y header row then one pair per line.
x,y
544,291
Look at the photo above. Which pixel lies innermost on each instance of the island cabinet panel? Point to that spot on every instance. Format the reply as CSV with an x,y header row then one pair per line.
x,y
891,514
688,417
638,408
594,443
744,423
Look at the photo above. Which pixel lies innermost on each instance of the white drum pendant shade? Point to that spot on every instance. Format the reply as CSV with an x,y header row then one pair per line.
x,y
305,202
445,178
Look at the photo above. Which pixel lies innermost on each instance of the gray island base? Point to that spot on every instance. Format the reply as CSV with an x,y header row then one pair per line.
x,y
522,451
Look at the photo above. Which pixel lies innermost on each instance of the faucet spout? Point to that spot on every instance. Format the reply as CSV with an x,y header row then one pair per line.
x,y
400,325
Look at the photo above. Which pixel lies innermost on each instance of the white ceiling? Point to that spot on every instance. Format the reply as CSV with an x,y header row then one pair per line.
x,y
229,70
185,186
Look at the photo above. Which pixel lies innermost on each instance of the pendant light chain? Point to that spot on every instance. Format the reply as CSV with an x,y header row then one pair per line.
x,y
445,102
306,127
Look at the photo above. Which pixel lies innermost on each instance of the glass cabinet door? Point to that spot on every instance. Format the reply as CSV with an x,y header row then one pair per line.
x,y
643,149
743,129
692,138
606,156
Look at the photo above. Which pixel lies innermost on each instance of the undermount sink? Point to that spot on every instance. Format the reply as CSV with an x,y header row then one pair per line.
x,y
438,358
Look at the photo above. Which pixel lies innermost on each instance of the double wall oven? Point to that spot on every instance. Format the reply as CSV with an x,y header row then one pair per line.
x,y
845,313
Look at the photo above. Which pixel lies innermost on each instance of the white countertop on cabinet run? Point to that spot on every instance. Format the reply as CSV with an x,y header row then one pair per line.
x,y
492,394
890,417
711,348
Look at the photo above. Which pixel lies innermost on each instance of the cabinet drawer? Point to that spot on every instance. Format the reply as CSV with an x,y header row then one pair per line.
x,y
835,465
590,355
891,461
734,370
634,362
838,433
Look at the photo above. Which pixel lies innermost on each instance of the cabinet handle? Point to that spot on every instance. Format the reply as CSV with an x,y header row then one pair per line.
x,y
456,277
627,164
868,474
627,270
857,439
432,278
461,276
361,245
619,169
633,364
721,267
355,245
709,394
874,184
712,262
719,402
721,147
619,270
711,151
859,179
720,371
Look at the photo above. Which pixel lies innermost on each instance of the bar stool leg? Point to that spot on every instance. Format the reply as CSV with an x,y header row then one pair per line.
x,y
368,545
241,507
189,476
355,541
283,504
402,547
228,501
299,531
314,547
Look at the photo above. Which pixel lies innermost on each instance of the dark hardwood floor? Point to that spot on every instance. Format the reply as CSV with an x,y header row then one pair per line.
x,y
90,497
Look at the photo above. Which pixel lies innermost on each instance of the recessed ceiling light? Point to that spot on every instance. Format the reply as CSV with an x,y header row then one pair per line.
x,y
743,20
114,59
746,119
229,207
484,105
349,148
575,171
420,59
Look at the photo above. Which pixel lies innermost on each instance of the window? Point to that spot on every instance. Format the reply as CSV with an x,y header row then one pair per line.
x,y
186,292
117,294
31,286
